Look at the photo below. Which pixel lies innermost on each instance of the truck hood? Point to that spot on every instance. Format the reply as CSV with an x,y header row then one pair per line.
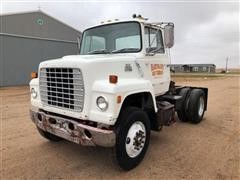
x,y
81,60
96,67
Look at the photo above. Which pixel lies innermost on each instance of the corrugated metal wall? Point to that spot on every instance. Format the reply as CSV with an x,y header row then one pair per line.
x,y
20,56
26,39
37,24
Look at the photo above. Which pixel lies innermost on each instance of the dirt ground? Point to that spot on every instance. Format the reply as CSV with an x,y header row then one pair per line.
x,y
209,150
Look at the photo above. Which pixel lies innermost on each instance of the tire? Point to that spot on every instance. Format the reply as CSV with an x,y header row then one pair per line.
x,y
182,112
130,120
196,106
48,135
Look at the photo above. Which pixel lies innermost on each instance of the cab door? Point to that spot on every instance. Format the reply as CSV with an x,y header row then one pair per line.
x,y
156,60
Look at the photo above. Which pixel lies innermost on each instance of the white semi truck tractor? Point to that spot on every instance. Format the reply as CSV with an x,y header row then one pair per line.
x,y
116,91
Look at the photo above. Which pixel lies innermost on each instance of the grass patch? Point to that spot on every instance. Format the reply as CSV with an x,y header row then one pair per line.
x,y
202,75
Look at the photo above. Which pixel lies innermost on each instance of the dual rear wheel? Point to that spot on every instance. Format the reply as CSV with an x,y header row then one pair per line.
x,y
193,105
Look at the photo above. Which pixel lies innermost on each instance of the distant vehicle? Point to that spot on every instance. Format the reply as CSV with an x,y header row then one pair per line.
x,y
116,91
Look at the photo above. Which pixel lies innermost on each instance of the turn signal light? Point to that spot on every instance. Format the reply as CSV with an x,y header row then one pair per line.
x,y
119,99
113,79
34,75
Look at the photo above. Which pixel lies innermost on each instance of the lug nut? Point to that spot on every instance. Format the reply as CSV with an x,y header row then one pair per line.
x,y
128,140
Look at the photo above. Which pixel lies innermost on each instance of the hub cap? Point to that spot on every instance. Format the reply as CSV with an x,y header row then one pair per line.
x,y
201,106
135,139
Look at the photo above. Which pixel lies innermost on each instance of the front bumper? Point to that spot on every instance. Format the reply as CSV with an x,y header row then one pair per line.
x,y
77,132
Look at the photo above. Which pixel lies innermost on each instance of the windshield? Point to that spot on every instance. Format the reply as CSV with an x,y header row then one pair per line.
x,y
113,38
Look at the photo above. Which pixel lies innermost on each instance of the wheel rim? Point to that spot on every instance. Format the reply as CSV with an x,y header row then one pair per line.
x,y
135,139
201,106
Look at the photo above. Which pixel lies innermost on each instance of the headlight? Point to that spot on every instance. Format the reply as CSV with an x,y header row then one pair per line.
x,y
33,93
102,103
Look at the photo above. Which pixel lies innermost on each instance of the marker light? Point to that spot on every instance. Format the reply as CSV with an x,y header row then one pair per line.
x,y
113,79
34,75
119,99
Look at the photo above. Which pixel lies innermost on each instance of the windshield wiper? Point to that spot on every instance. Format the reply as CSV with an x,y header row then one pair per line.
x,y
99,51
125,50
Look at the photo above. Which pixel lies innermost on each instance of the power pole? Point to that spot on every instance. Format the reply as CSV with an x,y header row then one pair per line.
x,y
226,68
39,7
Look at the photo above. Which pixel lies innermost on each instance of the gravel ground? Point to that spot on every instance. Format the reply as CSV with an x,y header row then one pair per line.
x,y
209,150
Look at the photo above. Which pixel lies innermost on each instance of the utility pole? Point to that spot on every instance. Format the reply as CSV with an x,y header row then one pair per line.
x,y
39,7
226,68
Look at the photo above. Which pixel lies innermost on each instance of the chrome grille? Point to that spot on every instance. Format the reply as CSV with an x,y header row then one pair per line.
x,y
62,88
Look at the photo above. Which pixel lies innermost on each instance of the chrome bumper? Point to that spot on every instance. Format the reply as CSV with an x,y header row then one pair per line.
x,y
78,133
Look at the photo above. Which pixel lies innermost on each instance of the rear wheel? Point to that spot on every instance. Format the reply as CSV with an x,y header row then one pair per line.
x,y
196,106
133,134
48,135
182,111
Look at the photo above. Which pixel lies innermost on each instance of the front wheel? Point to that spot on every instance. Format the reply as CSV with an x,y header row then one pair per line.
x,y
133,134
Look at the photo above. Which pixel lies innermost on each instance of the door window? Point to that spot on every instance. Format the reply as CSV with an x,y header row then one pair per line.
x,y
153,40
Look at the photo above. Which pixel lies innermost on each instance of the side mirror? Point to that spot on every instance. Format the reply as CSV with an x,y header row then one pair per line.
x,y
169,35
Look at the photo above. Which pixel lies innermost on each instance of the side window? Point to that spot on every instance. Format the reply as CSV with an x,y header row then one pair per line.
x,y
195,68
153,40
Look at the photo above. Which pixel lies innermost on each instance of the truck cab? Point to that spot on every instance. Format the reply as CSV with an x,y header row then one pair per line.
x,y
115,91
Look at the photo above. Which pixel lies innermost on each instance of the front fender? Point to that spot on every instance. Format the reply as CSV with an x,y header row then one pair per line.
x,y
123,88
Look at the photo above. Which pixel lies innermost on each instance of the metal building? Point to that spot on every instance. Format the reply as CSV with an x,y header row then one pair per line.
x,y
193,68
28,38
